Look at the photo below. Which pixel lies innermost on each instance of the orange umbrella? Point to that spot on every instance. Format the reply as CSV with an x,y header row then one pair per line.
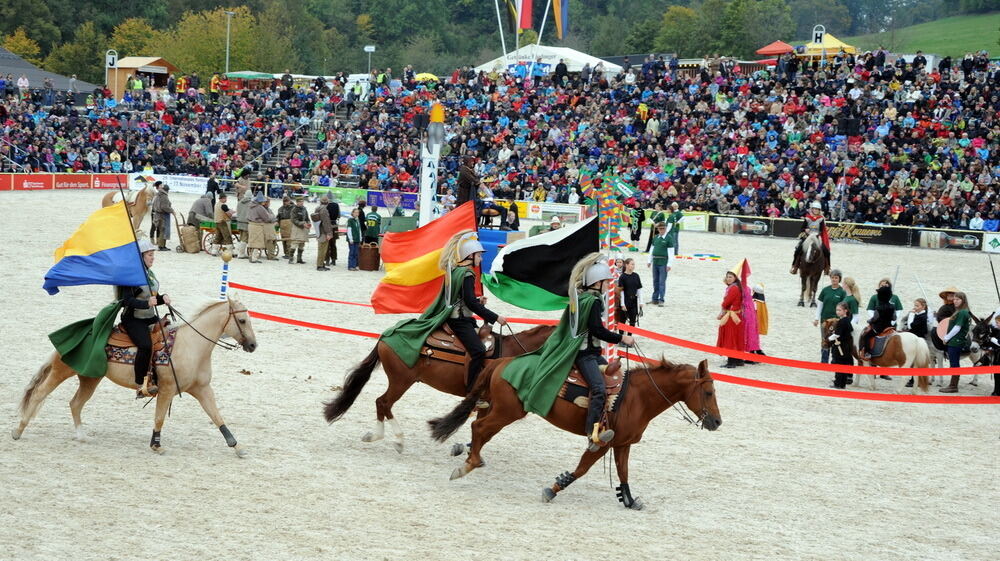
x,y
776,48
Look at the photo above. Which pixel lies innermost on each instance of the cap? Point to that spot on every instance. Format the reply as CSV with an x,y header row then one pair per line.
x,y
259,198
146,245
555,220
165,187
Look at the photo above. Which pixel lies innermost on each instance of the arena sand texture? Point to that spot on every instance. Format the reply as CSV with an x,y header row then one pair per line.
x,y
787,476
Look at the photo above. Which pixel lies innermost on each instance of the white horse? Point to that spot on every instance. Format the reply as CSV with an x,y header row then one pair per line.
x,y
192,364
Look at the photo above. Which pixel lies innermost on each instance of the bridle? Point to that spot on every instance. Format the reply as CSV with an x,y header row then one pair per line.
x,y
686,415
217,342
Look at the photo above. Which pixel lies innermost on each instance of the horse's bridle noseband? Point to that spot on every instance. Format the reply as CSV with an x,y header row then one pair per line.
x,y
699,382
223,344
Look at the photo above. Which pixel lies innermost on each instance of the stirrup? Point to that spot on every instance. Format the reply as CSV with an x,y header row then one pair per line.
x,y
146,390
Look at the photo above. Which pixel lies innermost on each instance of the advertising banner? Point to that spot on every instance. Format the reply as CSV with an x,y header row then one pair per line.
x,y
72,181
695,222
751,225
383,199
342,195
31,181
545,211
947,239
5,182
109,180
178,183
991,240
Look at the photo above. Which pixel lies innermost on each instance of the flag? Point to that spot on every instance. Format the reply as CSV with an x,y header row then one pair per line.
x,y
512,19
412,278
533,273
560,11
103,250
525,11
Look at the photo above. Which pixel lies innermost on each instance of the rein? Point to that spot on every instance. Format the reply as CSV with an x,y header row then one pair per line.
x,y
685,414
516,340
222,344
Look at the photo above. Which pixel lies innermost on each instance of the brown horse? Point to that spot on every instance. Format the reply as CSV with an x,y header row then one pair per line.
x,y
903,350
139,206
649,391
811,266
443,376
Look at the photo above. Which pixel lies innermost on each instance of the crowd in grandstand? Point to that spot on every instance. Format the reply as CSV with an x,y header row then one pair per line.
x,y
873,138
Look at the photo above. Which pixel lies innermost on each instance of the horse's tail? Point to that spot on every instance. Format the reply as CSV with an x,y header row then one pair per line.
x,y
922,360
443,427
39,377
336,407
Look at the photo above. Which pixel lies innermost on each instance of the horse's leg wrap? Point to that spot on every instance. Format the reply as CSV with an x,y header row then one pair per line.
x,y
154,442
564,480
230,439
624,495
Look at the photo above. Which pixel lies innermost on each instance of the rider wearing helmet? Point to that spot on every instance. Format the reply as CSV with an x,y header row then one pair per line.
x,y
813,223
139,314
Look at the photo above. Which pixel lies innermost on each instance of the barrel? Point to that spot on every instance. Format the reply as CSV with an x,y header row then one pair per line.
x,y
368,257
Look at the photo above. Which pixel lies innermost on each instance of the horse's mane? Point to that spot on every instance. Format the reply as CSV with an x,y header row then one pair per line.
x,y
201,309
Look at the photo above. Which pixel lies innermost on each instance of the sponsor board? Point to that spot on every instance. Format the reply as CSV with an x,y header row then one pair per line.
x,y
5,182
947,239
31,181
178,183
71,181
384,198
109,181
545,211
695,222
751,225
991,242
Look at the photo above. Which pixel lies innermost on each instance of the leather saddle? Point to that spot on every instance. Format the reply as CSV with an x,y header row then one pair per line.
x,y
576,389
119,338
443,344
876,347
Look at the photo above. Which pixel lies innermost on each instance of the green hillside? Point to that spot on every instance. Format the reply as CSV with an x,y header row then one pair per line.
x,y
953,36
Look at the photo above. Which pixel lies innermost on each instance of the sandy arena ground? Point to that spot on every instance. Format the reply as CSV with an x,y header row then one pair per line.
x,y
787,476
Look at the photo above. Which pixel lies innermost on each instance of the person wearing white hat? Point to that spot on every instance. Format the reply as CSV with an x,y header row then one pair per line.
x,y
555,223
139,314
813,223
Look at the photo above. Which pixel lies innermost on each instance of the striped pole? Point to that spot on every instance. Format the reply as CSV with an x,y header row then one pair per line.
x,y
224,283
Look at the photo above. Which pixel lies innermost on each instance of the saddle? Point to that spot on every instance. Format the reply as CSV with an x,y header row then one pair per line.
x,y
876,347
119,338
442,344
576,389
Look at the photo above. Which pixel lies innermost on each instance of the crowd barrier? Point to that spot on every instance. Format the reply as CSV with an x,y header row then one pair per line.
x,y
45,181
726,378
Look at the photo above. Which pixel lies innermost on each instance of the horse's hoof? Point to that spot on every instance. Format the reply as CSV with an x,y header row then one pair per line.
x,y
370,437
458,472
398,446
241,452
802,304
80,436
15,434
547,495
157,450
812,304
457,449
637,504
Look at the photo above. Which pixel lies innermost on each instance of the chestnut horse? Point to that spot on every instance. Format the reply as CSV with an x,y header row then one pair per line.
x,y
903,350
648,391
443,376
192,363
139,205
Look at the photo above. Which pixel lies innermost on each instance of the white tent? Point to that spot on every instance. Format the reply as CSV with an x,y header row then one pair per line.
x,y
549,59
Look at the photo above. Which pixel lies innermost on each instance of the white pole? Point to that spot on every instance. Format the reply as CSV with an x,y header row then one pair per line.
x,y
545,16
517,27
503,41
229,19
430,156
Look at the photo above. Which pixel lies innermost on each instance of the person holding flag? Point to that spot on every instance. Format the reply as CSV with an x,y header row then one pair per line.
x,y
139,315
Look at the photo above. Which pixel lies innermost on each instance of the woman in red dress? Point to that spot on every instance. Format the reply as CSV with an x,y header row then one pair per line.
x,y
731,331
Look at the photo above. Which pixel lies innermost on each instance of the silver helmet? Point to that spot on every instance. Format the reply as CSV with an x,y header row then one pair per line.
x,y
469,247
596,273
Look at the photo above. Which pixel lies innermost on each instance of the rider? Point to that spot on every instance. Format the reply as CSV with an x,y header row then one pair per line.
x,y
884,316
139,314
461,320
813,223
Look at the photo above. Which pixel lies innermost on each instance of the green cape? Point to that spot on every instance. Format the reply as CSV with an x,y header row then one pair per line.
x,y
538,375
81,344
407,336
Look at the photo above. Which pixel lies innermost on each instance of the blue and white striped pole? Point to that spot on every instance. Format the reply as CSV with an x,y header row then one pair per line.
x,y
224,284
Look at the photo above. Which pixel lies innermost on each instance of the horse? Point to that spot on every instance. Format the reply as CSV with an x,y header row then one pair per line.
x,y
648,391
811,265
140,205
903,350
443,376
192,366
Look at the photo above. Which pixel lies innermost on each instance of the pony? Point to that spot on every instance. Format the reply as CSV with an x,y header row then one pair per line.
x,y
903,350
192,372
140,204
447,377
648,391
811,266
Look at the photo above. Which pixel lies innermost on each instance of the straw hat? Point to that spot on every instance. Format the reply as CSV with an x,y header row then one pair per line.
x,y
950,290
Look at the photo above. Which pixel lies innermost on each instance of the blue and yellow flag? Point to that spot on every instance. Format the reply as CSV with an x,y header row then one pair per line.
x,y
561,14
103,250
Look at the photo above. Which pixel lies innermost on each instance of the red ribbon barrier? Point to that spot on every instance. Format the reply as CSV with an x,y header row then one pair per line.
x,y
309,325
843,394
684,343
805,364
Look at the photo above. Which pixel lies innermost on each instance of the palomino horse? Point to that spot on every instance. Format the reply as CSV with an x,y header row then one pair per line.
x,y
903,350
648,391
811,265
140,204
192,361
443,376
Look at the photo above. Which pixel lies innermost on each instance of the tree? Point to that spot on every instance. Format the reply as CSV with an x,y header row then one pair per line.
x,y
678,32
83,56
830,13
34,17
642,36
23,46
750,24
132,38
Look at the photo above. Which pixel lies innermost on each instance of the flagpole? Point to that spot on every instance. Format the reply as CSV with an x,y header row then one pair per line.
x,y
541,30
503,41
145,271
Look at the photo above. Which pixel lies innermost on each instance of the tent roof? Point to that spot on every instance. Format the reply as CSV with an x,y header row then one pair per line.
x,y
831,45
250,75
776,48
575,60
14,65
140,61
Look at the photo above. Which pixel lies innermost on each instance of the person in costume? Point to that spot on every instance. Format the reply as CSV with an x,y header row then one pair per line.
x,y
813,223
882,317
674,218
894,300
636,217
750,325
842,343
763,319
538,376
139,314
957,338
657,217
828,299
731,331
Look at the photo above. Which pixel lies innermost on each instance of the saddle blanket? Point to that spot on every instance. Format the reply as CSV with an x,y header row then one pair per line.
x,y
126,355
